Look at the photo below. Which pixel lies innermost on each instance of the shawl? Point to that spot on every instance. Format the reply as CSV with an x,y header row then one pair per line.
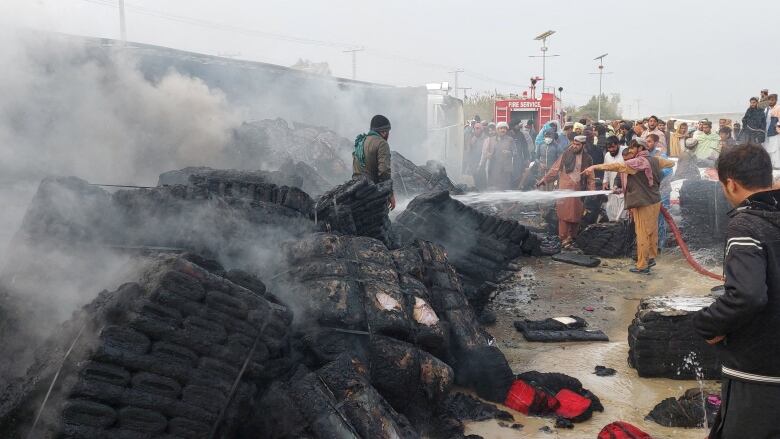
x,y
642,163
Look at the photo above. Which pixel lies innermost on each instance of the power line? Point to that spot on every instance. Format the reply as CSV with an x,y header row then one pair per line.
x,y
346,47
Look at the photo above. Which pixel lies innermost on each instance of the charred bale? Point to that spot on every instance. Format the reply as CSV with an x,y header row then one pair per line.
x,y
413,381
318,147
238,182
704,211
336,400
162,356
663,343
479,245
358,207
477,364
608,240
221,217
410,180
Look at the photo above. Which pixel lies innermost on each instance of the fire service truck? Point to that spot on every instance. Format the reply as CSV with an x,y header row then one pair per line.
x,y
529,106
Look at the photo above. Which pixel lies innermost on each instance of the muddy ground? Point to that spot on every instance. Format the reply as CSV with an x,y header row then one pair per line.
x,y
544,288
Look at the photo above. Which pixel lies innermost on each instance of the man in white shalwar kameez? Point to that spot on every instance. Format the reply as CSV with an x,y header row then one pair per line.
x,y
615,202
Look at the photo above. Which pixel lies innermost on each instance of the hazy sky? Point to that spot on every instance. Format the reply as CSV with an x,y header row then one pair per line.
x,y
672,56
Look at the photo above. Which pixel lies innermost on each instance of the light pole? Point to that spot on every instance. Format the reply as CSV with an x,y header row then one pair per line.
x,y
543,38
601,76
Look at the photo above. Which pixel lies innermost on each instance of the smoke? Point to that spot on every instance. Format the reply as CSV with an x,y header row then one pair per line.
x,y
71,109
68,109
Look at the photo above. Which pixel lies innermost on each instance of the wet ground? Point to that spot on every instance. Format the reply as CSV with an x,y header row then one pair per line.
x,y
543,288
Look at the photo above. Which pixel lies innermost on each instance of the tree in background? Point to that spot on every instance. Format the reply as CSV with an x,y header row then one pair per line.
x,y
610,109
482,104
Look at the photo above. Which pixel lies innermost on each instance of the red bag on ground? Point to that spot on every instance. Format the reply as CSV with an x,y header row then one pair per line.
x,y
572,405
622,430
529,400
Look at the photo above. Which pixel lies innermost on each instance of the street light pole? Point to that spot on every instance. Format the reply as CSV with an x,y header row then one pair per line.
x,y
601,76
543,38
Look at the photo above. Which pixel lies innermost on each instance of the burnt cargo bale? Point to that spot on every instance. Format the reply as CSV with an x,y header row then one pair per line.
x,y
412,380
704,210
480,246
607,240
663,343
336,400
163,355
477,364
357,207
410,180
289,173
275,141
224,218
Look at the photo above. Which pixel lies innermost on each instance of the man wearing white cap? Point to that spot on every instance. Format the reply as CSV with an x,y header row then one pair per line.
x,y
497,159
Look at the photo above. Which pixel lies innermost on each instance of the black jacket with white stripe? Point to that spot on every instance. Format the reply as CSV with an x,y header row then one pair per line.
x,y
748,314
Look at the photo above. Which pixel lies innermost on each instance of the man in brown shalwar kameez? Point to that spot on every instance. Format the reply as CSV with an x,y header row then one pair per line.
x,y
567,170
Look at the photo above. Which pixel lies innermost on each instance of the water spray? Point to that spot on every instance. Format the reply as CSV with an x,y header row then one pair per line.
x,y
496,197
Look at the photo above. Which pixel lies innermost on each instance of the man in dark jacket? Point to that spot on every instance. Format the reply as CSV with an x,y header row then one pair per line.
x,y
754,123
743,323
371,156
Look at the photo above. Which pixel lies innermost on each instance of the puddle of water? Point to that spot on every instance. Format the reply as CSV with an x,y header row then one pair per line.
x,y
542,289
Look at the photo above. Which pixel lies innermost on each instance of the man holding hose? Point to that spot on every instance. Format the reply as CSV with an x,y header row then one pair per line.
x,y
642,199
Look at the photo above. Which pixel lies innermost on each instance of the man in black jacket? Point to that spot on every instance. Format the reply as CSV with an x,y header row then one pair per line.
x,y
744,324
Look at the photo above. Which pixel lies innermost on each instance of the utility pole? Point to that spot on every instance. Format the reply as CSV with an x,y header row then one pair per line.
x,y
543,38
455,82
354,60
601,76
122,27
464,91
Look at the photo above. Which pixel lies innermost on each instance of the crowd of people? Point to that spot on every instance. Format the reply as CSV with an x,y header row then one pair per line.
x,y
632,159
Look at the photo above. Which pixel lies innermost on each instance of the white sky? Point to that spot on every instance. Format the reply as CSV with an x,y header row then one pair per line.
x,y
673,56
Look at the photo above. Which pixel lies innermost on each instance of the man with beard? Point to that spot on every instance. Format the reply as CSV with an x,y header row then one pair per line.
x,y
567,170
615,202
708,143
652,128
642,198
498,157
742,323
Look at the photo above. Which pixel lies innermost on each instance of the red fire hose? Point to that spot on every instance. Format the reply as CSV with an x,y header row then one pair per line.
x,y
684,248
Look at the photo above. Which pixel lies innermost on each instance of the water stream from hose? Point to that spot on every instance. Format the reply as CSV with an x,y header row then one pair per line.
x,y
522,197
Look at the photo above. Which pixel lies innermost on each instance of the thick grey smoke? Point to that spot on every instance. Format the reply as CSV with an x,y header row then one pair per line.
x,y
67,111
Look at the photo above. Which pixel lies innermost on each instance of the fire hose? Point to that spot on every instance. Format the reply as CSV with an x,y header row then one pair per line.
x,y
684,248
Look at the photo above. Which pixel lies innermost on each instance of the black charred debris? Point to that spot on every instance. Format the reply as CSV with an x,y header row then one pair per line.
x,y
384,322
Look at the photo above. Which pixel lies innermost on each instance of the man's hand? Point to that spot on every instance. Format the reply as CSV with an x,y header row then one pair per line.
x,y
392,201
539,183
589,170
605,186
716,340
